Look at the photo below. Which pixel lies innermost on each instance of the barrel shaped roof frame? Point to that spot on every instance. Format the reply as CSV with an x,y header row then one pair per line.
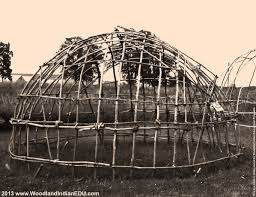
x,y
86,63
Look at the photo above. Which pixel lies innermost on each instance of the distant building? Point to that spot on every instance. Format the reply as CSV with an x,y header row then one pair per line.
x,y
21,79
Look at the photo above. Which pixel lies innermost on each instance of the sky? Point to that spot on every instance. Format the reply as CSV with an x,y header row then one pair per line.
x,y
212,32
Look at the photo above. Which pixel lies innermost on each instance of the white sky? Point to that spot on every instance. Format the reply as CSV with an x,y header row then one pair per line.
x,y
212,32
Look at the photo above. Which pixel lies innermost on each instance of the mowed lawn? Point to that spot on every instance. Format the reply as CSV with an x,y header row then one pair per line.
x,y
224,179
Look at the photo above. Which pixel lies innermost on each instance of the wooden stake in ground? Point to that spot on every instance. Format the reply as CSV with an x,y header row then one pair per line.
x,y
98,112
27,136
144,110
58,143
176,111
136,107
185,110
48,143
254,153
117,110
211,91
157,111
74,152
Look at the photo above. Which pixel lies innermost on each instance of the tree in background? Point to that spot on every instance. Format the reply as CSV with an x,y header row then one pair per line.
x,y
77,57
149,74
5,61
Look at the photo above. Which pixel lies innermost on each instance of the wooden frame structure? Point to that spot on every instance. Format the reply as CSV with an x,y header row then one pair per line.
x,y
123,87
237,81
238,84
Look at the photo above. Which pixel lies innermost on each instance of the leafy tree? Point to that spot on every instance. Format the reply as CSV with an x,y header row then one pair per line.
x,y
75,59
5,61
149,70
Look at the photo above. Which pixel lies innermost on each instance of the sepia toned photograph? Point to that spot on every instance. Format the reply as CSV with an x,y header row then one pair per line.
x,y
127,98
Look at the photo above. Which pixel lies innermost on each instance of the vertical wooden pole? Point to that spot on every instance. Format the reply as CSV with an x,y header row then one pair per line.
x,y
184,93
227,137
167,110
144,110
185,109
133,151
79,87
48,143
74,153
117,109
98,112
77,111
203,118
254,153
155,144
136,107
131,93
157,110
114,156
27,136
176,110
59,113
188,149
58,143
13,139
40,81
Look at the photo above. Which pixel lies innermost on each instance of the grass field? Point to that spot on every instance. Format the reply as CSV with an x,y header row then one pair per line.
x,y
225,179
8,95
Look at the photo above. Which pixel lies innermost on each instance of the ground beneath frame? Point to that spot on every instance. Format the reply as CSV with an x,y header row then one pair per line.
x,y
231,179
